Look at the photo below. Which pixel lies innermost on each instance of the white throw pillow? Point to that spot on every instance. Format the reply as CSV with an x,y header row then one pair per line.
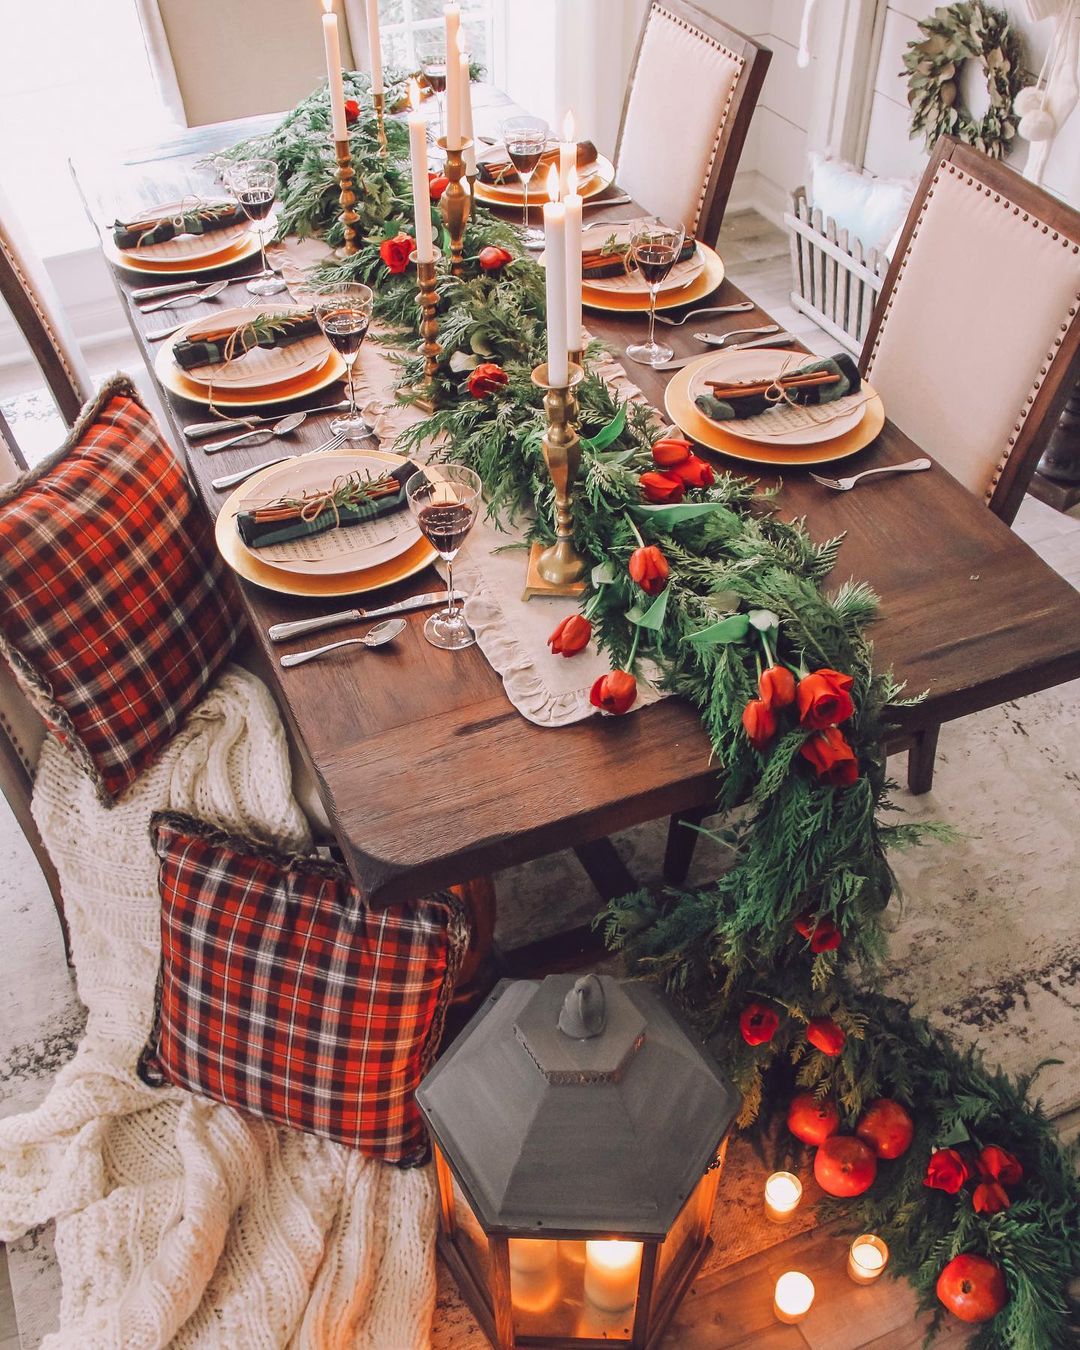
x,y
871,209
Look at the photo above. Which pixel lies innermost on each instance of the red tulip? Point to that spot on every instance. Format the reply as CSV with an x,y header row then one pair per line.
x,y
649,568
486,379
614,692
661,488
824,1035
777,686
758,1023
669,451
493,258
759,723
946,1171
396,252
694,472
352,111
995,1164
832,757
989,1197
824,699
437,183
822,933
571,636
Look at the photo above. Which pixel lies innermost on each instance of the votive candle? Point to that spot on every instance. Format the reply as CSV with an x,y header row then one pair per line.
x,y
452,19
558,364
794,1297
867,1258
418,162
611,1274
332,43
374,46
567,154
783,1191
572,203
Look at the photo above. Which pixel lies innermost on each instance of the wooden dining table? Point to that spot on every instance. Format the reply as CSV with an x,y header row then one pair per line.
x,y
430,776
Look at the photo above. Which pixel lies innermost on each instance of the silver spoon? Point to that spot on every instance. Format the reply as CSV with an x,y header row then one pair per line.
x,y
182,301
282,428
374,637
723,339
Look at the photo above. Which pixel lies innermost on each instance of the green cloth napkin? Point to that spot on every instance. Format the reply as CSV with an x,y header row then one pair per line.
x,y
159,230
850,382
271,330
261,534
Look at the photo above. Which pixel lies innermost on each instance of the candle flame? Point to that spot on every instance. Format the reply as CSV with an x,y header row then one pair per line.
x,y
553,184
568,126
571,183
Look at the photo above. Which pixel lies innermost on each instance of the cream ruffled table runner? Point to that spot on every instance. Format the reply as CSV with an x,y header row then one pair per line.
x,y
512,633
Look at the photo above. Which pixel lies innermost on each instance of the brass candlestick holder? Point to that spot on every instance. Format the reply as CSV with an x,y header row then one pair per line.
x,y
347,197
559,569
455,203
379,100
423,394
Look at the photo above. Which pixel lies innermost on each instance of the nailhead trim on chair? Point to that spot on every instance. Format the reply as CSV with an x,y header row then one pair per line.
x,y
17,745
31,295
740,61
968,180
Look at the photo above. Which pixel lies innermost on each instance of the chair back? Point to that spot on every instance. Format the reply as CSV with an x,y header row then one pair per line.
x,y
975,341
215,60
693,88
29,294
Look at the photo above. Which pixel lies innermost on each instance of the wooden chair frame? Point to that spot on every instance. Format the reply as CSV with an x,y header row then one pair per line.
x,y
732,135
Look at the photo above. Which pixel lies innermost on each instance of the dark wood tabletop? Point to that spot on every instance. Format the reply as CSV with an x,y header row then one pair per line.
x,y
428,773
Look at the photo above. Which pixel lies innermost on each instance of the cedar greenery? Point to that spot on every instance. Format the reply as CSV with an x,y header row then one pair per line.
x,y
745,588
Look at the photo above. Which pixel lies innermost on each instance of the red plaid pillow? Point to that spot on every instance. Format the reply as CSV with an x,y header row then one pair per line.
x,y
113,611
283,994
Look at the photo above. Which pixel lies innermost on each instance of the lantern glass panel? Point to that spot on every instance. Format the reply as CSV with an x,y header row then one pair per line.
x,y
470,1239
551,1300
687,1233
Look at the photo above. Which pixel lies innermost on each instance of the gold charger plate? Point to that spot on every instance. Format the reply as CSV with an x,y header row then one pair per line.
x,y
243,248
245,563
310,382
680,408
702,285
602,177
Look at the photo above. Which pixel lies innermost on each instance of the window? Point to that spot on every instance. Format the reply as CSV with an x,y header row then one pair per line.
x,y
411,31
74,77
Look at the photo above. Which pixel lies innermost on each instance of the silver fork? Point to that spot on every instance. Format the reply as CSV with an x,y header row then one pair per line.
x,y
229,480
743,307
846,484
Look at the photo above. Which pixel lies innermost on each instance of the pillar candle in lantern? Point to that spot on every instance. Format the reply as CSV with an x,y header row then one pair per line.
x,y
867,1258
572,202
567,154
783,1191
374,46
530,1255
452,18
332,42
418,162
794,1297
466,108
611,1274
555,285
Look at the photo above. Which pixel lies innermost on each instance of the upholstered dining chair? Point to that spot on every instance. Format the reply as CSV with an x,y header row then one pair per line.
x,y
692,91
974,344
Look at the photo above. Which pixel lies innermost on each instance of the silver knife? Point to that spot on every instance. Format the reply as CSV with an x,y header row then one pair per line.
x,y
152,292
194,430
775,340
281,632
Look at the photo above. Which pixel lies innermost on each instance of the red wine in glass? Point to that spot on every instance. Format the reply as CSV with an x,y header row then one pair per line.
x,y
445,524
256,204
654,262
435,74
345,329
524,155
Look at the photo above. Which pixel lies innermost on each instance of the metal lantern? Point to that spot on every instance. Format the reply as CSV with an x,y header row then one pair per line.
x,y
579,1131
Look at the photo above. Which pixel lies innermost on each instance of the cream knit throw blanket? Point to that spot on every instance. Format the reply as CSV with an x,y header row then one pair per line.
x,y
180,1222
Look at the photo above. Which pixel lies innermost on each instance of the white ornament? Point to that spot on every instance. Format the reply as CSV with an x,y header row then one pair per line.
x,y
1028,100
1037,126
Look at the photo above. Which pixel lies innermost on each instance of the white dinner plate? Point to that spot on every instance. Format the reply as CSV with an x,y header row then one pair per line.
x,y
765,364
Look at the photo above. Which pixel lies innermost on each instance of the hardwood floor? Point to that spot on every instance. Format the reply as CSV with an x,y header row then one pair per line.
x,y
9,1332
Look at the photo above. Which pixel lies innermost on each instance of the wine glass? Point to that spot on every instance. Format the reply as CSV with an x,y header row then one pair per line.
x,y
655,249
432,59
445,499
526,140
344,314
254,183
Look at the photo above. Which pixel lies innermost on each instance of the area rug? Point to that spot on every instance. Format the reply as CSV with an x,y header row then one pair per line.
x,y
180,1222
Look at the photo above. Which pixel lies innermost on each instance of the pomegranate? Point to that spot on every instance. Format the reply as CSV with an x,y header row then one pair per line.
x,y
812,1119
845,1166
886,1127
972,1288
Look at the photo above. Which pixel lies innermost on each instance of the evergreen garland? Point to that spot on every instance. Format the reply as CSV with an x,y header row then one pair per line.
x,y
745,590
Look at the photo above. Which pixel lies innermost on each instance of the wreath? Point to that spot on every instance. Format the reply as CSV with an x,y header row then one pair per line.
x,y
955,34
